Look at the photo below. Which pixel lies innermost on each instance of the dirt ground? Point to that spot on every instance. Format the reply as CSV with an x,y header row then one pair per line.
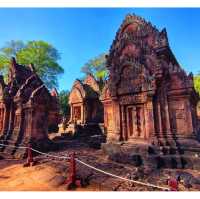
x,y
49,174
42,177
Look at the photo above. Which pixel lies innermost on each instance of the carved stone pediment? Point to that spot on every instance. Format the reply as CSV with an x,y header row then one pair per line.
x,y
105,93
91,81
130,79
132,99
75,96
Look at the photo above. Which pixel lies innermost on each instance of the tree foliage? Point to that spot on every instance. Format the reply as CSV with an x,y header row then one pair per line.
x,y
42,54
64,103
96,67
197,83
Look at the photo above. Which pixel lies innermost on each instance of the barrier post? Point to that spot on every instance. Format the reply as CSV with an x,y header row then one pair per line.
x,y
29,161
72,180
30,155
173,184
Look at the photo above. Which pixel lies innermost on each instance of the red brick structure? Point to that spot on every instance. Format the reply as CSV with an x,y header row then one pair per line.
x,y
26,108
85,106
149,99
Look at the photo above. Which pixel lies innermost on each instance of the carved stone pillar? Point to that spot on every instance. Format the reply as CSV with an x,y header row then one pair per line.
x,y
116,116
189,123
1,120
149,119
168,129
166,113
159,118
29,122
123,119
82,112
11,117
6,118
84,121
71,113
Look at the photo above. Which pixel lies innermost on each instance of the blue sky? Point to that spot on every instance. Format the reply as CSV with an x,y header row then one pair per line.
x,y
80,34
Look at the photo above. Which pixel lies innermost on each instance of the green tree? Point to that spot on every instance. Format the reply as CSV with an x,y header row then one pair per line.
x,y
10,49
64,102
42,54
197,83
96,67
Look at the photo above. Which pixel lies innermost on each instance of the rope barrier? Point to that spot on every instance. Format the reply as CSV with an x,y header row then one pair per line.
x,y
12,142
13,146
54,156
122,178
46,154
92,167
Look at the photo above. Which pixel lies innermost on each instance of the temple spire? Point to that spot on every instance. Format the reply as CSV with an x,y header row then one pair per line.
x,y
12,69
54,92
31,66
13,61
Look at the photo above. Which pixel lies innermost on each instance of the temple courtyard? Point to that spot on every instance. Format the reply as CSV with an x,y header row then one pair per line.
x,y
139,130
49,174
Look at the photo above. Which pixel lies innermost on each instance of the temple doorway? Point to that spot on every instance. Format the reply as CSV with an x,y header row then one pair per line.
x,y
134,122
77,113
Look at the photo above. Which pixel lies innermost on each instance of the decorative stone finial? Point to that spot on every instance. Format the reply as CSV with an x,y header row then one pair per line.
x,y
31,66
13,61
54,92
191,75
2,80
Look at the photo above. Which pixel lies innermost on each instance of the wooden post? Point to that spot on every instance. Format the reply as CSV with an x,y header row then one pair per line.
x,y
72,180
30,155
173,184
30,161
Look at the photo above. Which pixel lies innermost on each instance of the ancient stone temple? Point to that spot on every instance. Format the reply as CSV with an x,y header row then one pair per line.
x,y
26,109
85,107
149,100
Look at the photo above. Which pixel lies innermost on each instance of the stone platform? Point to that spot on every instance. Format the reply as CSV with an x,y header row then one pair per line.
x,y
139,154
43,145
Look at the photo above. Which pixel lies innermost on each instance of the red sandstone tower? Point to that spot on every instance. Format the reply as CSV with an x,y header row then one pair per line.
x,y
26,109
86,107
149,100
